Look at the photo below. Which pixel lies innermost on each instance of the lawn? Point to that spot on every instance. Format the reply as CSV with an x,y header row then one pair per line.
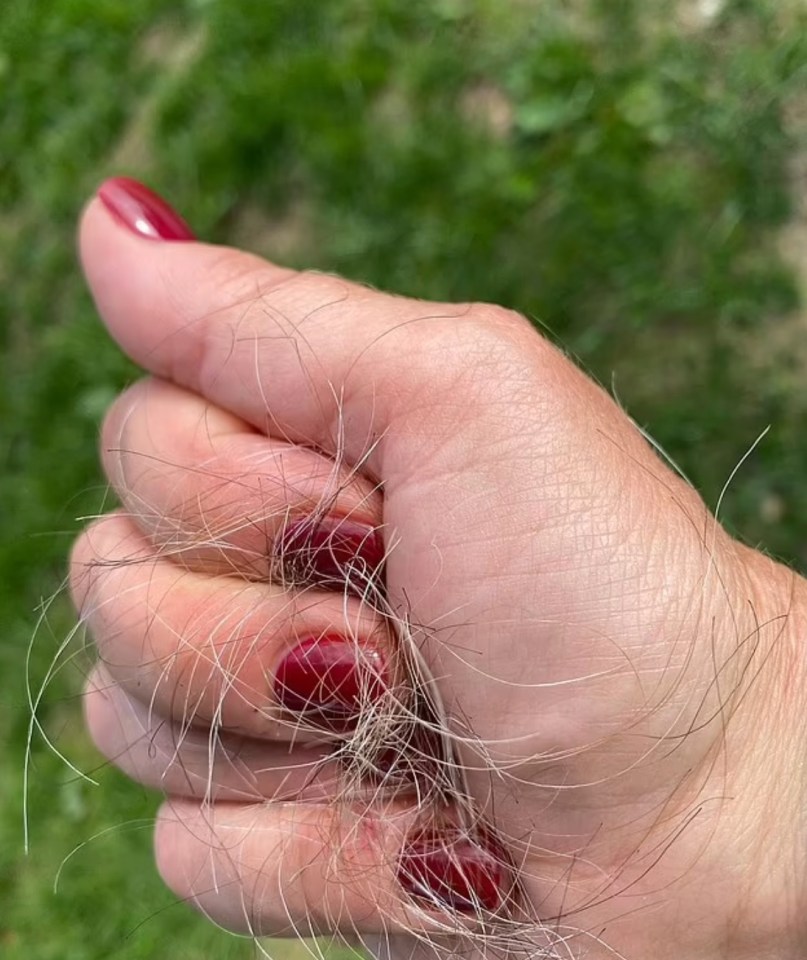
x,y
625,172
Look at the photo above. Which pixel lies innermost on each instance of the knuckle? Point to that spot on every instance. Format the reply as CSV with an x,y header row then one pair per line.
x,y
90,559
82,570
502,320
246,279
508,345
118,414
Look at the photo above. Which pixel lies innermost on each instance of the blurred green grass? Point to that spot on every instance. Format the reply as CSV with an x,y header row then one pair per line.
x,y
623,175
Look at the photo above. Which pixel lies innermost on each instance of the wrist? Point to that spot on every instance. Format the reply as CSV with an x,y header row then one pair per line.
x,y
766,747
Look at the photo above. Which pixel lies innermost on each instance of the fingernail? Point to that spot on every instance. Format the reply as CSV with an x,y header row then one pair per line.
x,y
331,552
142,211
453,871
328,680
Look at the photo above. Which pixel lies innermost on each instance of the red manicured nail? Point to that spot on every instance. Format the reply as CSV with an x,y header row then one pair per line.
x,y
142,211
331,552
327,679
453,871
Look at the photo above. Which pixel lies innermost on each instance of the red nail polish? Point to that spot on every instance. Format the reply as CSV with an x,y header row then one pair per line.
x,y
328,679
331,552
454,871
142,211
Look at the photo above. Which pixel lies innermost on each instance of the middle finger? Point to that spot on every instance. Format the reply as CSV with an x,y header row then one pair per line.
x,y
251,658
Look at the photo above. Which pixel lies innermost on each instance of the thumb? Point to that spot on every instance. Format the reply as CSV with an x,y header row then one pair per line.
x,y
300,355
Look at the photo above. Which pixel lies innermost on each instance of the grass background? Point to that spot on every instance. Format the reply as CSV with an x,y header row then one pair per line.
x,y
627,172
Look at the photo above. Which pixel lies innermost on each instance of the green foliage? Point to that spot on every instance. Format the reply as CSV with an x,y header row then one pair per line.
x,y
619,178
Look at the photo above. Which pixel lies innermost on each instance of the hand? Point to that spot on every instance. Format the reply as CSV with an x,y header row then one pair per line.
x,y
623,683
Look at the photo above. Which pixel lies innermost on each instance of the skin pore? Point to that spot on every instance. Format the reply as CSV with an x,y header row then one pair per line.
x,y
354,522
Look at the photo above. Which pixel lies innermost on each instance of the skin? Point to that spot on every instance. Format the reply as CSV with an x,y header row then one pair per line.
x,y
633,677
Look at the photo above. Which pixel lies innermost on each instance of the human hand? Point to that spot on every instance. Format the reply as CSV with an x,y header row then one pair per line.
x,y
623,683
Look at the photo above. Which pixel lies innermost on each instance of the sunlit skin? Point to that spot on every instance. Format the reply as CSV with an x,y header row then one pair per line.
x,y
624,682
